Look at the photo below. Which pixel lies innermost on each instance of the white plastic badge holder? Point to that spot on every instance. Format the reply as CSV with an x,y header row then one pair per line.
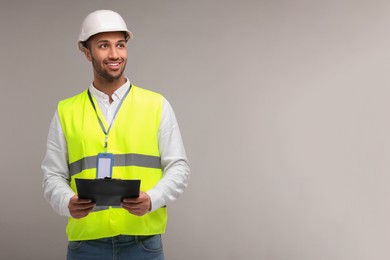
x,y
104,165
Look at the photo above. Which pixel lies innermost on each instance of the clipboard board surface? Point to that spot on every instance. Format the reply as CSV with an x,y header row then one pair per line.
x,y
107,192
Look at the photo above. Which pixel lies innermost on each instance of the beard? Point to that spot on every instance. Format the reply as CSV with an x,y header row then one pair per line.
x,y
104,73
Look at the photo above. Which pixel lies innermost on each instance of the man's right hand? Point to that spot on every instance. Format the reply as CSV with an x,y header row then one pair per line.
x,y
80,208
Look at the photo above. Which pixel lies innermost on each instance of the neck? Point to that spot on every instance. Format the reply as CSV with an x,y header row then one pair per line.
x,y
108,87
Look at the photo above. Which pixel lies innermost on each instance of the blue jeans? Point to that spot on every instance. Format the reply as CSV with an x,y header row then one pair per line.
x,y
117,248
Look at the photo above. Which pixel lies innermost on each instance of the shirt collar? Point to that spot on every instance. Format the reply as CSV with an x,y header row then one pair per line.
x,y
118,94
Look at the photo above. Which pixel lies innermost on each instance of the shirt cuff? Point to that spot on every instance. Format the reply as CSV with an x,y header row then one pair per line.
x,y
65,205
156,199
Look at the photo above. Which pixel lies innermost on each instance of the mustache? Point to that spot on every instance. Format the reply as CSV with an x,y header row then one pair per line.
x,y
115,59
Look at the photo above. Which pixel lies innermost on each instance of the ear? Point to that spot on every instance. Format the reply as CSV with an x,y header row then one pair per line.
x,y
87,54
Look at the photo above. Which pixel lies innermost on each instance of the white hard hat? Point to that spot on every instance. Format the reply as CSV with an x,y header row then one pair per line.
x,y
102,21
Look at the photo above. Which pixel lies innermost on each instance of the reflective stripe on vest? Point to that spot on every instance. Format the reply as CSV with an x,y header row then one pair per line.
x,y
119,160
133,140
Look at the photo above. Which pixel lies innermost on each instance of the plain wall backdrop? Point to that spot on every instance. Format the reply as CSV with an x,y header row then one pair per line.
x,y
283,107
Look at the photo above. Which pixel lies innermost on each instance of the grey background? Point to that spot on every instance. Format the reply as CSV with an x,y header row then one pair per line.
x,y
283,107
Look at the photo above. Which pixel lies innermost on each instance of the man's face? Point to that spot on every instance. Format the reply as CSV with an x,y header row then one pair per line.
x,y
108,54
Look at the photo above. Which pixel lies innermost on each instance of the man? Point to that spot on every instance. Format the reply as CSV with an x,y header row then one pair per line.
x,y
137,128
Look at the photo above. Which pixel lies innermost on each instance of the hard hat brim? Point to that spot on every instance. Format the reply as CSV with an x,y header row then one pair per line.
x,y
81,43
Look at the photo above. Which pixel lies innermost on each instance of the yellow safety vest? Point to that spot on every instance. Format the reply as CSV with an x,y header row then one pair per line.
x,y
133,139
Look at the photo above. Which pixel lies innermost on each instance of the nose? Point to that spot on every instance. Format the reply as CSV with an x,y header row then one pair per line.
x,y
113,53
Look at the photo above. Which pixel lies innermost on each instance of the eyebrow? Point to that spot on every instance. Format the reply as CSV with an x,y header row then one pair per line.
x,y
104,41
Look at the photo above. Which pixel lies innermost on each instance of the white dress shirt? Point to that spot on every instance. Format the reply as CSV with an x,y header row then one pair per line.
x,y
174,161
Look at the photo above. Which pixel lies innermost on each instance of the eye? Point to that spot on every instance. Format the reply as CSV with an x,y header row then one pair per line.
x,y
121,45
103,46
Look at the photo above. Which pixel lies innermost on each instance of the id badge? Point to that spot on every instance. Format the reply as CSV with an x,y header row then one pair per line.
x,y
104,165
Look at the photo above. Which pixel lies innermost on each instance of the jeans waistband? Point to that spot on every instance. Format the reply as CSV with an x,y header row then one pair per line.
x,y
124,238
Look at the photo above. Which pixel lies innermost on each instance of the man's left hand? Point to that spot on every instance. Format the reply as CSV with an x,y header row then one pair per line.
x,y
137,206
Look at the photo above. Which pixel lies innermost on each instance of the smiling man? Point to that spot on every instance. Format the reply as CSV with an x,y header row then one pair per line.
x,y
133,127
108,53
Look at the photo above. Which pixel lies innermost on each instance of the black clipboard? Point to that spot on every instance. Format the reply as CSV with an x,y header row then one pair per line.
x,y
107,192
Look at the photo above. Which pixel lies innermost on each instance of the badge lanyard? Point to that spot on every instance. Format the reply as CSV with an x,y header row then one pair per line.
x,y
106,132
